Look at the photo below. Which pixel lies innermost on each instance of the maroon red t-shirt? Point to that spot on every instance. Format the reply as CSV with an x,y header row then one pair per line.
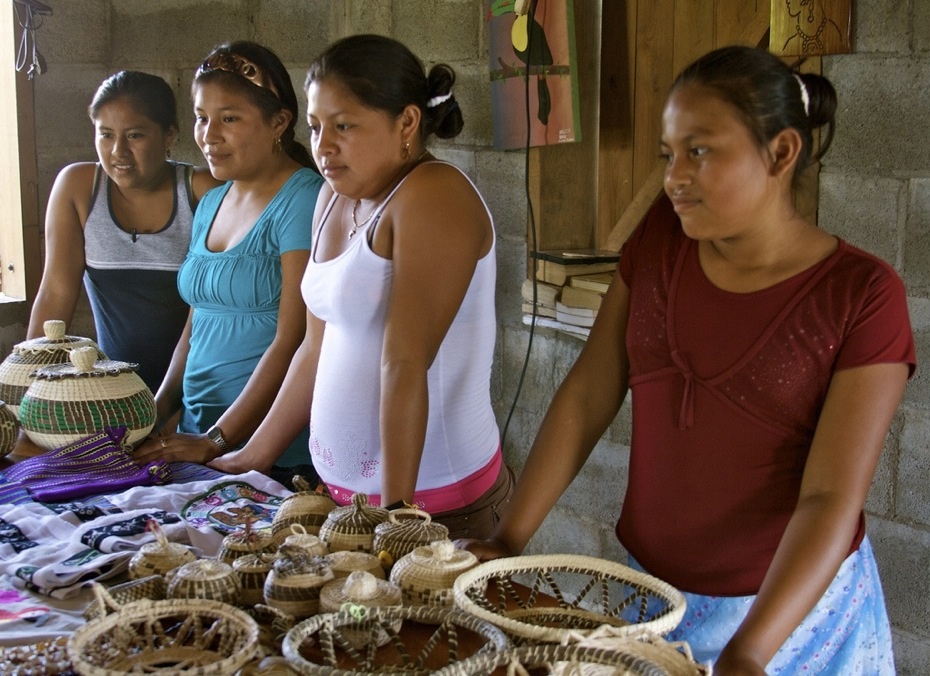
x,y
727,390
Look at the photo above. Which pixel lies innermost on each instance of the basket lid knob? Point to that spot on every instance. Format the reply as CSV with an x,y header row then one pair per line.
x,y
84,358
360,585
54,329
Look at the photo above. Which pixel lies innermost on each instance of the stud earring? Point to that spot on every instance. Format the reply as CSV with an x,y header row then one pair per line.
x,y
405,152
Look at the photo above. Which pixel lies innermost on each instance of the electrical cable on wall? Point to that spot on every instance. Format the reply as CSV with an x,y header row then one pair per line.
x,y
532,222
29,14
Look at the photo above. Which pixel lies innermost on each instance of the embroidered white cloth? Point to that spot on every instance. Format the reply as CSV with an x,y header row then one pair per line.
x,y
56,549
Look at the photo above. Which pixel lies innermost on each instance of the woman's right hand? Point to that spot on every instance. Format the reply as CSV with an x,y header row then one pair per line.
x,y
485,550
238,462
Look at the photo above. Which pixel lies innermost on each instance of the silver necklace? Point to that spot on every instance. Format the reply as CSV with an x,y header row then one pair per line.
x,y
355,224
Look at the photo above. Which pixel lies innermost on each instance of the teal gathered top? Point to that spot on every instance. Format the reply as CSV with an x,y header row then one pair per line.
x,y
235,296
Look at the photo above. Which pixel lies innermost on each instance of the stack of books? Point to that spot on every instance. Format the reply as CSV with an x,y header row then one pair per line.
x,y
570,285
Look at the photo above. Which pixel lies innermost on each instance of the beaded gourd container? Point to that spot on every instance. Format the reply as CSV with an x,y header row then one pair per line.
x,y
159,557
405,530
54,348
305,507
68,402
294,582
360,592
352,527
205,579
427,574
9,429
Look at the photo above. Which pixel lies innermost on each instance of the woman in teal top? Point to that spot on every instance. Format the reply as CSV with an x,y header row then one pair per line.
x,y
249,246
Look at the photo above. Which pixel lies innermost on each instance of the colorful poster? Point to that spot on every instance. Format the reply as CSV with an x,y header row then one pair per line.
x,y
533,73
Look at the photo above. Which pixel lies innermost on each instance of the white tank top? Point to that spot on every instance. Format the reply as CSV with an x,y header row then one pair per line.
x,y
350,293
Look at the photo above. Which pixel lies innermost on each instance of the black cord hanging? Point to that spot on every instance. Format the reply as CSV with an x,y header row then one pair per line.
x,y
29,14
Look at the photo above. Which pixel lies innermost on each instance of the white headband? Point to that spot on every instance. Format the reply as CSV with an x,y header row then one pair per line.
x,y
436,100
805,97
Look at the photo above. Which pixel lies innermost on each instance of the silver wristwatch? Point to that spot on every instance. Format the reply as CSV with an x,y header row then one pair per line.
x,y
215,434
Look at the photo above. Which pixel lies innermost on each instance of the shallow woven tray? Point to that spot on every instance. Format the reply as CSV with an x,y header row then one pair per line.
x,y
634,658
543,598
178,637
429,639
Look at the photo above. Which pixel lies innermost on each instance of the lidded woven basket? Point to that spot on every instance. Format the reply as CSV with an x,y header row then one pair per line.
x,y
293,585
9,429
405,530
427,574
205,579
359,593
305,507
159,557
345,562
68,402
352,527
246,541
309,542
252,570
53,348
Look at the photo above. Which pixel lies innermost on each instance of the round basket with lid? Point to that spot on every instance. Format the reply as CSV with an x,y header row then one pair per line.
x,y
53,348
352,527
305,507
159,557
252,570
293,585
205,579
427,574
345,562
405,530
359,593
309,542
246,541
68,402
9,429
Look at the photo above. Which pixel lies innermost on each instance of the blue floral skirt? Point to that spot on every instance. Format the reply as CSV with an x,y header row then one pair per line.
x,y
847,632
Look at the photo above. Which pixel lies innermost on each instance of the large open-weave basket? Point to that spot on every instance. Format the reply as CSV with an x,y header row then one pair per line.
x,y
544,597
631,658
429,639
178,637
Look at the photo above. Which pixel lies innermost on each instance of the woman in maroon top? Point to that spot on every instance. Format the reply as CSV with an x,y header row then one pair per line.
x,y
766,360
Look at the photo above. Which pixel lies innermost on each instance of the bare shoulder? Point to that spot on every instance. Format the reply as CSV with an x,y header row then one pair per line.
x,y
77,179
440,185
202,181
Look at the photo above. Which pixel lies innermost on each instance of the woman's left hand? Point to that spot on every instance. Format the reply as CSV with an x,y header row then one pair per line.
x,y
177,447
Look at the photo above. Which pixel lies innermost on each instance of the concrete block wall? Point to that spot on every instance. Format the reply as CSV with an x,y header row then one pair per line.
x,y
875,192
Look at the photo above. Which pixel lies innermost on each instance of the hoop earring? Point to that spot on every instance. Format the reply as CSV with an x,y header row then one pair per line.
x,y
405,152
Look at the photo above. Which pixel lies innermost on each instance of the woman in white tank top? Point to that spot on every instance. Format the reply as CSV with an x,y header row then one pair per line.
x,y
394,373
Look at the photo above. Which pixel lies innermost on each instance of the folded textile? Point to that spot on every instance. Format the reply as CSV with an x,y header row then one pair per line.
x,y
97,464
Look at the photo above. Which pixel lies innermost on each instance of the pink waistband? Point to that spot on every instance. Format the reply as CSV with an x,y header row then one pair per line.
x,y
444,499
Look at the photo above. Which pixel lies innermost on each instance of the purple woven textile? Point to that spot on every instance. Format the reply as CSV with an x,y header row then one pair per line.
x,y
92,466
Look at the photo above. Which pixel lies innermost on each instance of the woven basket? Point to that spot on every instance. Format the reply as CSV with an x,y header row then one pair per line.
x,y
352,527
68,402
426,574
9,429
361,592
319,645
293,585
306,507
405,530
632,658
180,637
54,348
346,562
106,600
247,541
309,542
159,557
205,579
252,570
563,593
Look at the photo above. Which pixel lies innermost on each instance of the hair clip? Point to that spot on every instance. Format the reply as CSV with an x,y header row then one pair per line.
x,y
436,100
238,65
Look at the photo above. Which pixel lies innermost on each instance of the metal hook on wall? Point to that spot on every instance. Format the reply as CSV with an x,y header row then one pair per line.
x,y
29,13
